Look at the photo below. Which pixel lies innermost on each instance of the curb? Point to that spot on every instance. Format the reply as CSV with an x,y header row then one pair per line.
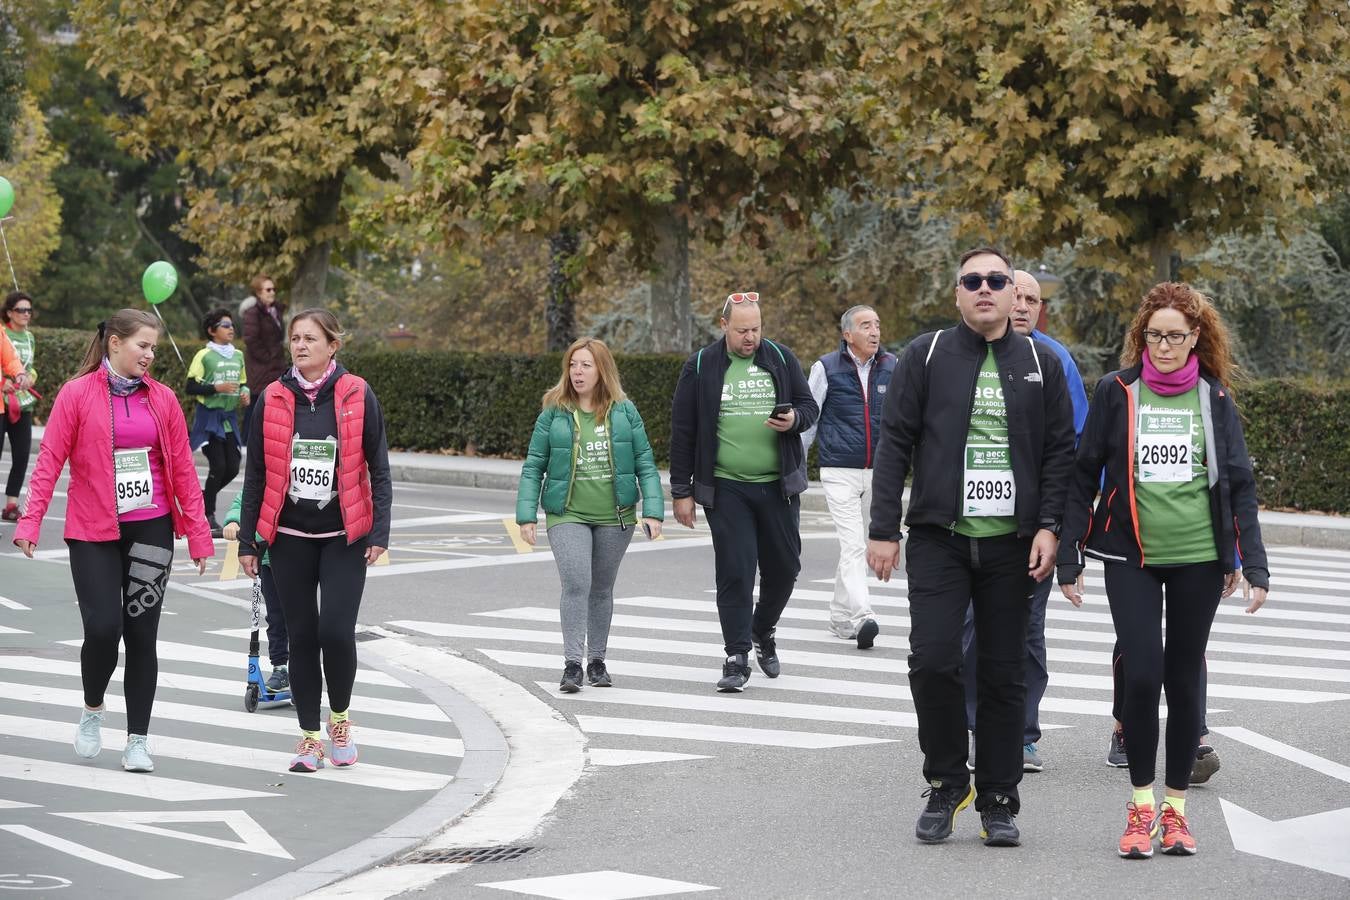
x,y
485,759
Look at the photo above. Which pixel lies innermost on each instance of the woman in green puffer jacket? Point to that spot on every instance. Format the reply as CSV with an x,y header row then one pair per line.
x,y
588,458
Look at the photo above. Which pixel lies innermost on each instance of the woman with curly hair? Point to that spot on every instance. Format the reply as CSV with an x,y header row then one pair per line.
x,y
1164,441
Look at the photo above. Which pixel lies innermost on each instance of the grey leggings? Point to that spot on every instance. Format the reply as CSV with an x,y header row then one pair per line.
x,y
588,558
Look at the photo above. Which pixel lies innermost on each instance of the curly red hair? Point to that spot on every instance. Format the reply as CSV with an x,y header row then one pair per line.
x,y
1213,348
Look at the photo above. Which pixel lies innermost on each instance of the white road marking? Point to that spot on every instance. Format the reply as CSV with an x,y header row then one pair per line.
x,y
152,787
253,838
88,854
724,734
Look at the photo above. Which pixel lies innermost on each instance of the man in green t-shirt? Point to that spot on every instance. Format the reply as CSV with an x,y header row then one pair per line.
x,y
740,406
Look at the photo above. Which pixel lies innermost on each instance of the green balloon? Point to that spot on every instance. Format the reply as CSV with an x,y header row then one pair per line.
x,y
159,282
6,197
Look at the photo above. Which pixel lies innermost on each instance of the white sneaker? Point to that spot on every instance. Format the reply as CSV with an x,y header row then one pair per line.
x,y
136,757
89,734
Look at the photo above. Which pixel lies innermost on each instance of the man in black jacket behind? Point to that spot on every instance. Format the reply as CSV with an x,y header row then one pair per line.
x,y
739,408
981,416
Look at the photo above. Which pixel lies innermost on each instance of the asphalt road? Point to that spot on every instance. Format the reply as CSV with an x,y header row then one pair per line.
x,y
807,786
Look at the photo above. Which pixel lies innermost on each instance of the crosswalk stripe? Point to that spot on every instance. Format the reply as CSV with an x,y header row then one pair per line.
x,y
230,659
848,660
734,704
655,623
5,629
150,787
12,604
726,734
403,709
236,756
242,721
88,854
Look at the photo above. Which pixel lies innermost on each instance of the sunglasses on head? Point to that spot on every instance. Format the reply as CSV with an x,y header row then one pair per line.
x,y
740,297
223,323
997,281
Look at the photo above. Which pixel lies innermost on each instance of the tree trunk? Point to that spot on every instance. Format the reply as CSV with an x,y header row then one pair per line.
x,y
1160,253
671,318
310,285
561,313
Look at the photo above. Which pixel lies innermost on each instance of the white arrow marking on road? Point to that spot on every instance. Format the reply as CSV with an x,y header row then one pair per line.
x,y
253,838
12,604
1317,842
15,804
88,854
1285,751
601,757
5,629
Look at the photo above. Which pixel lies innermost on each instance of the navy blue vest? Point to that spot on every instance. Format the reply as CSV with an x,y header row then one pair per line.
x,y
849,424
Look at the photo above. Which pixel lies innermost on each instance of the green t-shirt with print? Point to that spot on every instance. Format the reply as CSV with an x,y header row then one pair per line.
x,y
591,499
1171,479
209,366
988,492
23,343
747,449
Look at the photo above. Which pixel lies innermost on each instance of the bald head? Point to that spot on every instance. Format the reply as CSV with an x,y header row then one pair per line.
x,y
1026,302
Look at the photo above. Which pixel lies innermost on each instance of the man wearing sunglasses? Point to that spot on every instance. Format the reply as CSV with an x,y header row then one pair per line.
x,y
981,417
740,407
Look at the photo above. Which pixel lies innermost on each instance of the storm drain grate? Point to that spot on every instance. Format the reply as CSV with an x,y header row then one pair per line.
x,y
466,855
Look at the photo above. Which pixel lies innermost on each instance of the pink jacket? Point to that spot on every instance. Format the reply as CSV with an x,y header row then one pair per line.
x,y
80,430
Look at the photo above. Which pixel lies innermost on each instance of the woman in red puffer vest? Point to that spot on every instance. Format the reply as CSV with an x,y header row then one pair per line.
x,y
317,492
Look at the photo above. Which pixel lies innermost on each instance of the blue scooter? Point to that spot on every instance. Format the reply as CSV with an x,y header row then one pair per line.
x,y
256,693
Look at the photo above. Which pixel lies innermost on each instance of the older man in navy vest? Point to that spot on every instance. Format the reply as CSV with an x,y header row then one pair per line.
x,y
849,386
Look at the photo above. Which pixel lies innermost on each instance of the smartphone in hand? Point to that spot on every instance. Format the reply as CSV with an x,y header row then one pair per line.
x,y
781,410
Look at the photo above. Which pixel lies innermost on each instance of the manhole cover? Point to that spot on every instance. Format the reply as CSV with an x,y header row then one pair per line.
x,y
466,855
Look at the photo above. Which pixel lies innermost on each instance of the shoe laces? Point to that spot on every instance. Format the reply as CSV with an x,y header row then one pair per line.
x,y
137,742
996,813
1138,819
1174,821
340,733
309,746
942,799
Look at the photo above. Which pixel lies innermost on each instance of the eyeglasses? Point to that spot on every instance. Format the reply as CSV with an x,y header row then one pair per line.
x,y
745,297
997,281
269,290
23,310
1174,338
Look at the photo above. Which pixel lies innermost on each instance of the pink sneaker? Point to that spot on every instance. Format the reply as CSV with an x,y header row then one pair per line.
x,y
308,755
344,748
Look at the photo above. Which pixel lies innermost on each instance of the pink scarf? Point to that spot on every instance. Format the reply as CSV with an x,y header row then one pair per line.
x,y
1172,383
311,388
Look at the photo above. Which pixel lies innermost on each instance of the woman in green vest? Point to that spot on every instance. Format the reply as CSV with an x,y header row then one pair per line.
x,y
588,458
17,421
216,379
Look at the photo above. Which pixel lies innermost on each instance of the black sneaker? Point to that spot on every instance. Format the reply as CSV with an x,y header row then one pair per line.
x,y
279,680
1206,764
597,674
1115,751
766,654
735,673
935,822
867,634
997,826
571,679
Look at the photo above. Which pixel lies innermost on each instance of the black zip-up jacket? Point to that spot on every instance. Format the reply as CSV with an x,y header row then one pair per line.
x,y
318,421
926,419
1112,532
698,400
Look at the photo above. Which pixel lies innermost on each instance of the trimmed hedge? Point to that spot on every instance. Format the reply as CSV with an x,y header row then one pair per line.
x,y
1298,433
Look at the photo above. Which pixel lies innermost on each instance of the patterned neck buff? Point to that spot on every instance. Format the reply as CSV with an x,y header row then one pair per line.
x,y
120,385
311,388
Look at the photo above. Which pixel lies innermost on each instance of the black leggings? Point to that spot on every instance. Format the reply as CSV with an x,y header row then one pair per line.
x,y
1137,609
222,456
120,588
304,569
20,446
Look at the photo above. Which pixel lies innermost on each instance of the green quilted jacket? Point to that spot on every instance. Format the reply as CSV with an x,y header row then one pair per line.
x,y
551,463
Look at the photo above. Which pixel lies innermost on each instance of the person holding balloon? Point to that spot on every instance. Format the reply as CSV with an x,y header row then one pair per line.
x,y
318,494
17,420
133,488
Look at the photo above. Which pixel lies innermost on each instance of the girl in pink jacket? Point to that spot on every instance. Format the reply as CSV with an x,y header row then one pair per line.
x,y
133,487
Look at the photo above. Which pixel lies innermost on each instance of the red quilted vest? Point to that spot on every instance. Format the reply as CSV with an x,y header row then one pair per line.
x,y
353,479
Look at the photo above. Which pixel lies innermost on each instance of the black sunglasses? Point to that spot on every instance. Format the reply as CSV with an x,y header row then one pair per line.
x,y
997,281
22,309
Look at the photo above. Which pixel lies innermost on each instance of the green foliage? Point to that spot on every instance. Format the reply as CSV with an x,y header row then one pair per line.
x,y
33,229
11,82
61,350
1134,128
1298,435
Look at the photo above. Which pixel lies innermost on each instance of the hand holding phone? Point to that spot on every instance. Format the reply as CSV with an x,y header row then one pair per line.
x,y
781,410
